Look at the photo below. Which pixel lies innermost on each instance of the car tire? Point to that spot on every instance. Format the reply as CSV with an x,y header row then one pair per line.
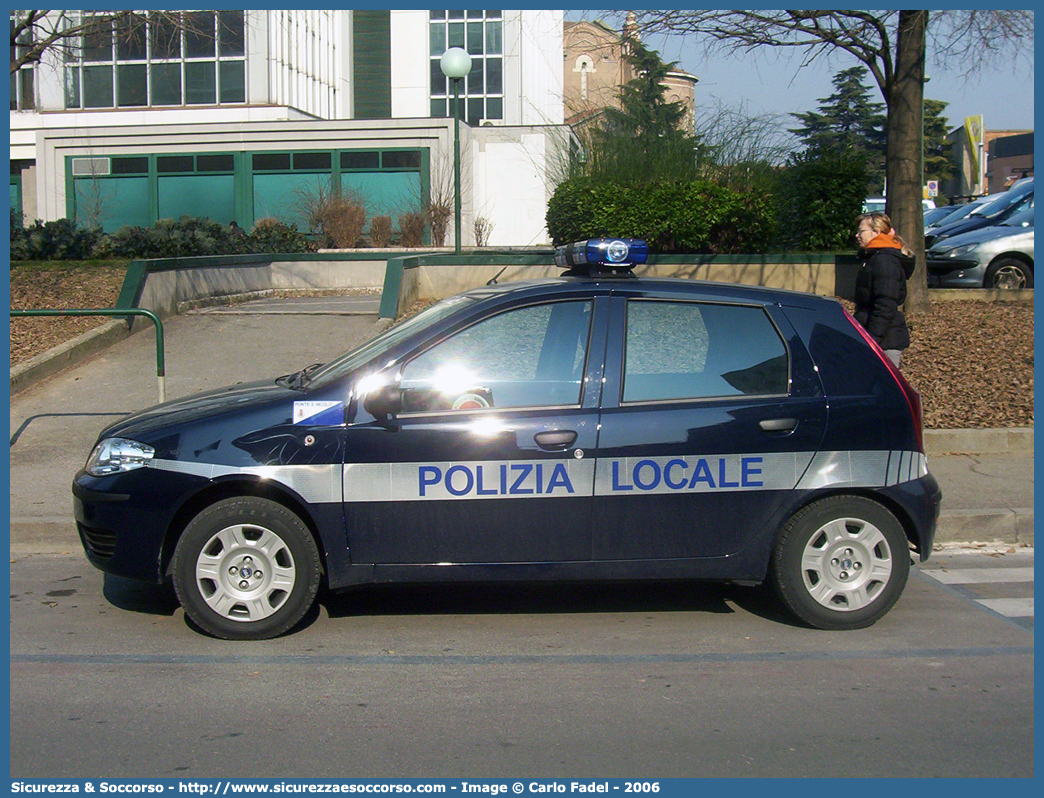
x,y
840,563
246,569
1008,273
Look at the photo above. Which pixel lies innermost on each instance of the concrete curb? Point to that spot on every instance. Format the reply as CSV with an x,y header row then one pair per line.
x,y
47,364
985,526
1014,440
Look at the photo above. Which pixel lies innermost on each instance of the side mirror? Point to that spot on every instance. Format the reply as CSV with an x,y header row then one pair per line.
x,y
384,402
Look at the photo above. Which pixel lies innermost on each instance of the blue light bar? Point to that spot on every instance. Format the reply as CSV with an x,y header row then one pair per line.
x,y
598,254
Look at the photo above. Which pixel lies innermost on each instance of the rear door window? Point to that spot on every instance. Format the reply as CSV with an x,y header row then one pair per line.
x,y
693,350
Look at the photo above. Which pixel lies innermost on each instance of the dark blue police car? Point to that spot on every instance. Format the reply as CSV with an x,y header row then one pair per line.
x,y
597,426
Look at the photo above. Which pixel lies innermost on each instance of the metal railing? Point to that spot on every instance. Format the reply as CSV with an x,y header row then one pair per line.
x,y
160,370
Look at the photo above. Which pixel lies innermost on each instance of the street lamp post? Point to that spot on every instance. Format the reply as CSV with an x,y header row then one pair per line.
x,y
456,64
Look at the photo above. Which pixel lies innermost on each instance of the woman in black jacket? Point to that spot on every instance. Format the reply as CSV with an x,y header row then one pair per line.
x,y
880,287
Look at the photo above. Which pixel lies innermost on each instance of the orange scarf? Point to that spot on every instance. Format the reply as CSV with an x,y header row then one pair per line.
x,y
884,241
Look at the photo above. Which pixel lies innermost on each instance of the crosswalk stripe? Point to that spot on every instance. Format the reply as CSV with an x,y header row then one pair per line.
x,y
971,576
1010,607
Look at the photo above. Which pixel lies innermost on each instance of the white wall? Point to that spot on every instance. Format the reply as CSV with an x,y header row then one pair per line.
x,y
409,64
304,60
536,57
514,170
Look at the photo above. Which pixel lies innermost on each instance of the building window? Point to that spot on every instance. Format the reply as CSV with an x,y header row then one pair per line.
x,y
481,33
159,59
23,95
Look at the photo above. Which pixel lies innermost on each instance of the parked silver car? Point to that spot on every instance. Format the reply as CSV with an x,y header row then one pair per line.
x,y
998,256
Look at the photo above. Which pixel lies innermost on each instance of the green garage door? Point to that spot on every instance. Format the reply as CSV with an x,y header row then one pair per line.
x,y
117,201
213,196
284,196
385,193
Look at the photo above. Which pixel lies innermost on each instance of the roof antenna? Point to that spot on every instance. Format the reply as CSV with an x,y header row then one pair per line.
x,y
493,279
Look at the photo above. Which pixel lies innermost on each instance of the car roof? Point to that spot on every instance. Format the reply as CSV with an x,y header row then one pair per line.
x,y
702,289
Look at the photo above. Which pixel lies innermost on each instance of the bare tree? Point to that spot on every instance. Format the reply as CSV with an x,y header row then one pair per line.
x,y
334,214
892,45
435,202
37,33
438,207
738,150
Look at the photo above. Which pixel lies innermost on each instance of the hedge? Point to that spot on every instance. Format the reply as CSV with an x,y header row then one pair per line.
x,y
679,217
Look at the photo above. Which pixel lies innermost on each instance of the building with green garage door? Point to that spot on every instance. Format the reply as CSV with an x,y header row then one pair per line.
x,y
240,115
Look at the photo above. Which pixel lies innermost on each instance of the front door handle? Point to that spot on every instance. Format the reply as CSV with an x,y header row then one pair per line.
x,y
778,424
556,440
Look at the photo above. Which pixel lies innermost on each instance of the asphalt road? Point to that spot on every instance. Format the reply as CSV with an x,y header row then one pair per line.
x,y
109,680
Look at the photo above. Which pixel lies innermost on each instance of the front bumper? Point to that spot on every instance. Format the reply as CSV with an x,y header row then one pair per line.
x,y
123,519
955,273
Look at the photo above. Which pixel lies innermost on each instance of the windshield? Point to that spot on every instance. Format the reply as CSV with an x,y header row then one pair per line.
x,y
936,215
1023,218
962,211
347,363
1004,200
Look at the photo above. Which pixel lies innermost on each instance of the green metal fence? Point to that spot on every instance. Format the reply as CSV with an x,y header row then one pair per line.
x,y
121,312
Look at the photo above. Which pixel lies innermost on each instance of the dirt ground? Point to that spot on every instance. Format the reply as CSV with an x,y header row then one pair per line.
x,y
971,361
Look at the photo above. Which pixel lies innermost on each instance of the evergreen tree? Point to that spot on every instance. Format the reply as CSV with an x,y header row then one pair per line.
x,y
645,111
644,140
847,122
938,152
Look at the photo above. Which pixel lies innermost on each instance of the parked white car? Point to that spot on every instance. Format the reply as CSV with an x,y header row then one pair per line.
x,y
877,204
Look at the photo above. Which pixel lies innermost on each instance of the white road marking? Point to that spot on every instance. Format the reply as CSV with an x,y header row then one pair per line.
x,y
1009,607
971,576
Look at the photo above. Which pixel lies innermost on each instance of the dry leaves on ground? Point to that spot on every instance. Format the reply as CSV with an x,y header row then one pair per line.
x,y
972,362
56,289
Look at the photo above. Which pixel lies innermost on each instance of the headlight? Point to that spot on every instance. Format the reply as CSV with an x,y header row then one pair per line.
x,y
113,455
945,251
956,252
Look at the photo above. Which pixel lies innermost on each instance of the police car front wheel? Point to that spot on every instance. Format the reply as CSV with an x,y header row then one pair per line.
x,y
841,563
246,568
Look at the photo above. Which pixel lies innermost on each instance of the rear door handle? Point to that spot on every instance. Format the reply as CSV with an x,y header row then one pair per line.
x,y
778,424
555,441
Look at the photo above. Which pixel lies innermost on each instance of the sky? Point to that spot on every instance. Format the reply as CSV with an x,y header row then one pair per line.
x,y
774,83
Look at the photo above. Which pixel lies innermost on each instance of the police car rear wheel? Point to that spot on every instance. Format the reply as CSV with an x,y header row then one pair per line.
x,y
841,563
246,569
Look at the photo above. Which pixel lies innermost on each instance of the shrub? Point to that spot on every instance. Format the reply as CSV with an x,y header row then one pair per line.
x,y
61,239
337,217
823,195
193,236
271,236
129,241
18,244
411,229
344,222
483,227
687,216
380,231
170,238
439,214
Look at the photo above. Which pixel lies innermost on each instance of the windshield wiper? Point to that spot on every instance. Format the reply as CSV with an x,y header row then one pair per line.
x,y
298,379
